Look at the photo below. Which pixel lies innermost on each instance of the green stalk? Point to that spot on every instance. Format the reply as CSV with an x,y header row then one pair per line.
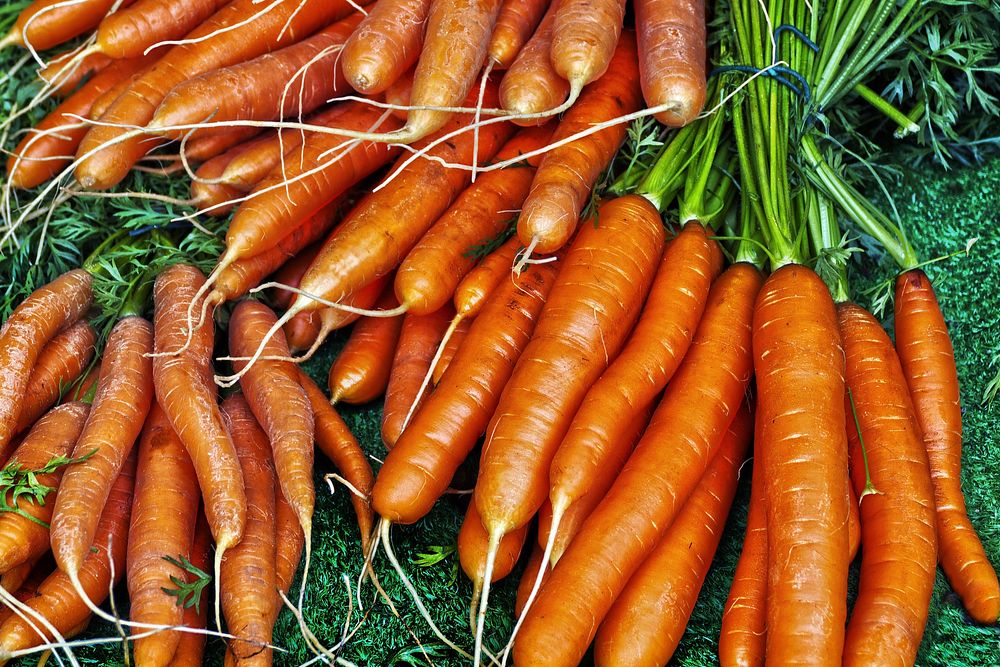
x,y
661,184
708,199
906,126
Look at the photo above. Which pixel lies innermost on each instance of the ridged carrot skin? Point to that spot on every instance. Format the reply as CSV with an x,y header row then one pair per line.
x,y
360,373
21,539
40,317
64,80
647,362
279,403
286,23
532,85
248,582
288,545
121,403
648,619
164,515
207,146
187,393
419,338
451,349
129,32
57,599
427,278
515,24
191,646
672,59
332,319
338,444
59,365
799,364
443,433
385,45
928,361
473,545
261,156
685,433
48,23
567,174
475,288
207,194
584,38
900,557
597,297
105,100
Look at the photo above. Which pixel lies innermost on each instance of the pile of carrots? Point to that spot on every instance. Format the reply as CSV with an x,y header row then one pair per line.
x,y
425,171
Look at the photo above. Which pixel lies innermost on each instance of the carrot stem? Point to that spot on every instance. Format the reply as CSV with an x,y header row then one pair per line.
x,y
869,485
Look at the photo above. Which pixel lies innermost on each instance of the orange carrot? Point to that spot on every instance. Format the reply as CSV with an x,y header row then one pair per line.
x,y
532,85
515,24
47,23
65,74
672,59
385,45
528,579
585,36
191,646
332,319
360,373
450,349
473,291
288,545
261,156
853,521
202,148
209,196
130,32
398,94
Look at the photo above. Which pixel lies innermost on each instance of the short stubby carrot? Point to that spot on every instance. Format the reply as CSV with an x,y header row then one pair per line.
x,y
672,59
515,24
684,435
532,85
164,515
567,174
385,45
584,38
928,360
40,317
646,622
799,364
899,562
360,373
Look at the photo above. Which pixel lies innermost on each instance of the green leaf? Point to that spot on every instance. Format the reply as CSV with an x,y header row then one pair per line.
x,y
188,594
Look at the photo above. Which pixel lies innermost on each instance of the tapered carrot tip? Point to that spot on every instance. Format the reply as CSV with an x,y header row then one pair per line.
x,y
685,102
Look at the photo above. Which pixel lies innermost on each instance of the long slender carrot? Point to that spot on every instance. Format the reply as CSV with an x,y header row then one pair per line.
x,y
683,436
207,194
360,373
567,174
104,101
928,360
421,465
385,45
24,533
65,74
472,292
59,365
646,622
191,646
803,448
164,515
129,32
900,557
47,23
515,24
40,317
450,349
248,569
532,85
672,57
260,157
585,36
418,341
288,545
204,147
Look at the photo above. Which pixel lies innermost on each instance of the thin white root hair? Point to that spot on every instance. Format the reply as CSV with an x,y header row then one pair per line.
x,y
26,613
523,257
449,332
392,312
220,31
477,116
230,380
332,477
491,558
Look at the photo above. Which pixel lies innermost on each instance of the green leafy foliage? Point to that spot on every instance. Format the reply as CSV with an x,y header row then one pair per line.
x,y
188,594
17,483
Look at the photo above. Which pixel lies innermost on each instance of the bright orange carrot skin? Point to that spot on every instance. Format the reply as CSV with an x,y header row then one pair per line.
x,y
654,351
60,363
164,515
421,465
418,342
900,557
332,319
799,364
685,433
515,24
261,156
47,311
338,444
191,646
567,174
473,544
187,393
427,278
532,85
121,402
473,291
129,32
278,402
48,23
385,45
209,145
451,349
672,57
527,581
21,539
360,373
601,287
646,623
64,80
247,577
290,274
928,361
288,545
584,38
853,521
57,600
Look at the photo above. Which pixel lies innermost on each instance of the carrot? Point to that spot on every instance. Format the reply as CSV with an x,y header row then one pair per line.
x,y
290,273
129,33
473,291
421,465
47,23
288,545
107,98
685,433
335,440
646,622
260,156
360,373
208,195
528,577
24,532
427,278
853,521
207,47
248,569
585,37
900,558
803,448
185,391
515,24
398,95
288,82
40,317
567,174
532,85
204,148
450,349
58,599
280,405
191,646
385,45
123,398
164,514
65,73
418,341
59,365
332,319
928,361
671,35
